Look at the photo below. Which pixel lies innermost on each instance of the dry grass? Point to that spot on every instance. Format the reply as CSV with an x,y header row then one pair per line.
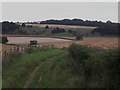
x,y
6,47
63,26
95,42
102,42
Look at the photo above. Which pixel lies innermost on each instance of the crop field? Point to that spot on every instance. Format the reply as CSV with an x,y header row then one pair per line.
x,y
63,26
26,40
100,42
95,42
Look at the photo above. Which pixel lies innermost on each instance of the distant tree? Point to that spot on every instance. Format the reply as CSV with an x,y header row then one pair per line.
x,y
109,22
58,30
23,25
78,36
46,27
108,28
9,27
70,31
3,39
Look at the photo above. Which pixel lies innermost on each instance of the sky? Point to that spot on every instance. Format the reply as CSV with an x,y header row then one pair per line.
x,y
38,11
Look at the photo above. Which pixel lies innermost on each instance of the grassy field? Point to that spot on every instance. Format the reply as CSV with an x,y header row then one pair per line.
x,y
16,73
75,67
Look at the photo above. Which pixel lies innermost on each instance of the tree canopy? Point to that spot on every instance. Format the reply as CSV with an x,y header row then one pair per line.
x,y
3,39
9,27
107,28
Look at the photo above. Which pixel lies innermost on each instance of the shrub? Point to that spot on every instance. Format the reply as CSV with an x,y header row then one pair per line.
x,y
46,27
113,68
23,25
58,30
79,53
78,36
3,39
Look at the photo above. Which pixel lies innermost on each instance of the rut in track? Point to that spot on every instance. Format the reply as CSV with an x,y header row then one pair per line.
x,y
30,77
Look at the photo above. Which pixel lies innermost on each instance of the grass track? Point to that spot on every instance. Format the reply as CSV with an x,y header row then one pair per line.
x,y
16,73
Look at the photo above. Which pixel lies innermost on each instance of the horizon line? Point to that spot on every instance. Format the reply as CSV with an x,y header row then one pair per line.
x,y
58,19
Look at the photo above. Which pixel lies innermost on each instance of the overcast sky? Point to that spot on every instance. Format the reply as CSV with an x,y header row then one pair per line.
x,y
38,11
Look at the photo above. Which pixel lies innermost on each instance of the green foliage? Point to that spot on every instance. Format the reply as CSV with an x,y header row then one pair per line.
x,y
16,73
107,28
23,25
46,27
79,53
3,39
78,36
77,67
101,68
8,27
58,30
113,68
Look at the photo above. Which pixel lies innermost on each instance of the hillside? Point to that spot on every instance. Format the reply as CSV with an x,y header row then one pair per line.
x,y
85,28
75,67
105,28
68,30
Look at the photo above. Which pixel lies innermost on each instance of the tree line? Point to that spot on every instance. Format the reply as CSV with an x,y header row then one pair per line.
x,y
105,28
9,27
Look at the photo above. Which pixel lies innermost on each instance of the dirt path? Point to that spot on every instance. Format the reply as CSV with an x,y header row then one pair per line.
x,y
31,77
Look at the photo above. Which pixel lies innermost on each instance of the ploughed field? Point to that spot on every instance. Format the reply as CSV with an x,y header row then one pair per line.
x,y
102,42
26,40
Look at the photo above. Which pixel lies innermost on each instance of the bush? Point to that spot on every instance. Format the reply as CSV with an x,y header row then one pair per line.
x,y
113,68
79,53
46,27
23,25
78,36
58,30
105,68
3,39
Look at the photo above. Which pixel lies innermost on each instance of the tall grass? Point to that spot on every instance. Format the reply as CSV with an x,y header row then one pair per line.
x,y
101,68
